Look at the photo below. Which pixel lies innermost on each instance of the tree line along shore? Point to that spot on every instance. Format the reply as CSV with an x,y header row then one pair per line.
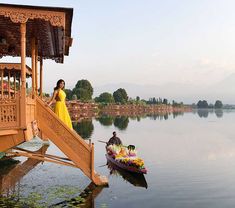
x,y
80,101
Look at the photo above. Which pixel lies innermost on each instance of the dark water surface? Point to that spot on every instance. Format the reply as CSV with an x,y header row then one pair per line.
x,y
190,160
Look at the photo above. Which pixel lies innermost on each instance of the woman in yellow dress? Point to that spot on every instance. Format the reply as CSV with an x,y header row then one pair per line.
x,y
60,106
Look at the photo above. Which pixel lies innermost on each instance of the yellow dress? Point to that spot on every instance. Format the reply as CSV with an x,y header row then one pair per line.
x,y
61,109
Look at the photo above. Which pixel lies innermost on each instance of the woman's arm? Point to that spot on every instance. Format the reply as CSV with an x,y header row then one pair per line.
x,y
53,97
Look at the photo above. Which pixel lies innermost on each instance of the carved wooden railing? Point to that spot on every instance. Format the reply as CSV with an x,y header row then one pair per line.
x,y
9,113
67,140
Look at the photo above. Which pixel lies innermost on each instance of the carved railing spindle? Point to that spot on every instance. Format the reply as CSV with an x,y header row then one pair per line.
x,y
2,84
14,84
9,85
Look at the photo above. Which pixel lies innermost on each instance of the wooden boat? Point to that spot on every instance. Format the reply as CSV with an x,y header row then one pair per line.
x,y
125,167
136,179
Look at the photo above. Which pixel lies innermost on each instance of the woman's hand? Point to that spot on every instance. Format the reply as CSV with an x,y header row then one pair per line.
x,y
48,104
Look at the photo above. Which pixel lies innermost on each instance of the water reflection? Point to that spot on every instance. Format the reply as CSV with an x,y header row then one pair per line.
x,y
135,179
121,122
85,200
219,113
10,176
84,128
106,120
204,113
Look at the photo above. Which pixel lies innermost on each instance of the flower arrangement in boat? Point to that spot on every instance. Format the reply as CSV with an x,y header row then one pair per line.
x,y
125,156
121,150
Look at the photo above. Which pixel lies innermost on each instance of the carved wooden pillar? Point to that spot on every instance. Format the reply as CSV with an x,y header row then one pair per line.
x,y
36,68
2,89
41,75
9,84
33,65
23,76
14,84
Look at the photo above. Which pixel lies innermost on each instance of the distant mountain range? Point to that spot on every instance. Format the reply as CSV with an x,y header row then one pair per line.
x,y
187,93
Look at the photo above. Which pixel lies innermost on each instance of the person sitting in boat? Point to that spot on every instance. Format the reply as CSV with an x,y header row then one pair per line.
x,y
114,140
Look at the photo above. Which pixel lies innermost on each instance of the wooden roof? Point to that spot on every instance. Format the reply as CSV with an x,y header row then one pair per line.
x,y
51,26
14,67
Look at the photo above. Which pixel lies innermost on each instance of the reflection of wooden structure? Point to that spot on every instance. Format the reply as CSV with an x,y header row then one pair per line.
x,y
10,179
89,195
39,33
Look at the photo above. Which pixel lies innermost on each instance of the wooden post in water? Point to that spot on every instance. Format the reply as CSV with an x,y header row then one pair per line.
x,y
23,76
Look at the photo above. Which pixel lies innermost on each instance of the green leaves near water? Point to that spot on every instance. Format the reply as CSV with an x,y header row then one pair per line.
x,y
38,200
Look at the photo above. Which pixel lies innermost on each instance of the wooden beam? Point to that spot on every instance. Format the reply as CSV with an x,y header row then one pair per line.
x,y
23,76
39,157
8,132
47,155
41,75
33,65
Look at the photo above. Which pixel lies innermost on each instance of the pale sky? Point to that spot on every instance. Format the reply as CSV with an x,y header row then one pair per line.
x,y
146,42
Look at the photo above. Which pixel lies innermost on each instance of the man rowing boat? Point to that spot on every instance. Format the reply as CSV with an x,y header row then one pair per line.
x,y
114,140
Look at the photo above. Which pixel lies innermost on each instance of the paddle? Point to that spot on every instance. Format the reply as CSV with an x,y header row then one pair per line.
x,y
129,147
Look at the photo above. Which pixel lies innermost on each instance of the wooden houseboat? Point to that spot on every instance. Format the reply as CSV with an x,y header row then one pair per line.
x,y
39,33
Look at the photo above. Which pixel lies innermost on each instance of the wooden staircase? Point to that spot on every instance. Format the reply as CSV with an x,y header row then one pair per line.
x,y
68,141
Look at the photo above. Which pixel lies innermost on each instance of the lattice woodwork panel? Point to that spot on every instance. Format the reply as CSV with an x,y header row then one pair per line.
x,y
9,113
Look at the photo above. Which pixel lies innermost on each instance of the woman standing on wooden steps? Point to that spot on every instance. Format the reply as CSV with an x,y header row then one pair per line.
x,y
60,106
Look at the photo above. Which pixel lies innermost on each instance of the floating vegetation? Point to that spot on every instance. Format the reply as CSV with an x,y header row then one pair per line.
x,y
103,205
39,200
84,200
61,193
13,202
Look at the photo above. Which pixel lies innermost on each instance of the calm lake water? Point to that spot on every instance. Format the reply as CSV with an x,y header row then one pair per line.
x,y
190,159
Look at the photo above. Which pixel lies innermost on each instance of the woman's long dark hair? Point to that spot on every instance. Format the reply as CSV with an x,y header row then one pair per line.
x,y
58,84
